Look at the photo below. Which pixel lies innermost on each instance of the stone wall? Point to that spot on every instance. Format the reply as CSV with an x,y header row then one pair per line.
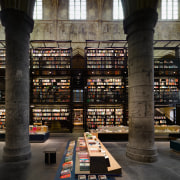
x,y
98,26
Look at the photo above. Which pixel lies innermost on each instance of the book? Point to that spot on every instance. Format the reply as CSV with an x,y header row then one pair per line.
x,y
102,177
92,177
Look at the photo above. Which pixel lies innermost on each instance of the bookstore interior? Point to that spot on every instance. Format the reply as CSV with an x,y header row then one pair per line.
x,y
91,92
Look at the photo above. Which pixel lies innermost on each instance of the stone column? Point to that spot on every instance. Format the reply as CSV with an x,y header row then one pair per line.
x,y
139,28
18,27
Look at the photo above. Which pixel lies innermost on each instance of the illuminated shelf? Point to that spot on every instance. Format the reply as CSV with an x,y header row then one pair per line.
x,y
51,58
104,117
50,90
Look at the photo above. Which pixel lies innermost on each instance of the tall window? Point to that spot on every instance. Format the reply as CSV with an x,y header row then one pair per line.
x,y
38,10
169,9
117,10
77,9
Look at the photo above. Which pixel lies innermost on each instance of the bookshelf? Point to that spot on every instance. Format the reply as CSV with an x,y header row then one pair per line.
x,y
160,120
51,58
98,117
166,90
105,89
2,118
51,90
166,80
166,66
108,58
42,114
2,58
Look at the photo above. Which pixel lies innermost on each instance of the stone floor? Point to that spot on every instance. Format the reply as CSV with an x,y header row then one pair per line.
x,y
166,168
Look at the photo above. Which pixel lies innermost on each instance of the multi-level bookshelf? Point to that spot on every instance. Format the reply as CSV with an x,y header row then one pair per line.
x,y
51,58
108,58
166,90
51,90
2,118
50,114
51,85
105,116
166,81
2,58
105,92
105,89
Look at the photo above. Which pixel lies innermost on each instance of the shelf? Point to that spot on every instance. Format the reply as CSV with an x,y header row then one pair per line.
x,y
105,89
105,58
50,90
104,116
50,114
51,58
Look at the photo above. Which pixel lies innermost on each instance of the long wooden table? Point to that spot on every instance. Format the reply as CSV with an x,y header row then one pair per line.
x,y
99,163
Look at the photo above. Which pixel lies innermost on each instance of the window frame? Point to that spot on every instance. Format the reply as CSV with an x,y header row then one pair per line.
x,y
119,10
165,12
82,3
36,15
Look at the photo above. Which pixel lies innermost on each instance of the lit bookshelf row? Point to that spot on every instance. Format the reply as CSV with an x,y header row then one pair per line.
x,y
160,120
2,118
50,114
166,63
105,58
50,58
52,90
105,52
105,89
97,117
51,52
2,58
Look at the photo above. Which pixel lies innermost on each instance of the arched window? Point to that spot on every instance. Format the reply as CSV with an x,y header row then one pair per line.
x,y
37,10
77,9
169,9
117,10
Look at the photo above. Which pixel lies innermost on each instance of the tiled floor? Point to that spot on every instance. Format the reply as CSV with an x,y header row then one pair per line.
x,y
166,168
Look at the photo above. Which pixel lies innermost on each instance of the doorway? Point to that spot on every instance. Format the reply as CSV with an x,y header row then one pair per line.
x,y
78,117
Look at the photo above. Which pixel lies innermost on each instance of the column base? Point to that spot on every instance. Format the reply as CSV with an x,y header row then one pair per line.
x,y
142,155
15,155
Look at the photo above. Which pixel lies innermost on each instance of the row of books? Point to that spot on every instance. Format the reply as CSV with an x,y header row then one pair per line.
x,y
49,118
51,52
104,111
50,110
67,166
105,52
83,155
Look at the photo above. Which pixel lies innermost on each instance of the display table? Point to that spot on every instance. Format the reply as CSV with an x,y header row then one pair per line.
x,y
101,161
34,136
121,133
99,167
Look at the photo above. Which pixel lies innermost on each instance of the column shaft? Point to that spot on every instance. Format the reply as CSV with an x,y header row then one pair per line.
x,y
17,28
139,28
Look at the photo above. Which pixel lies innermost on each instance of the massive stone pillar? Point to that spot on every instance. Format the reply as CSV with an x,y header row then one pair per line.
x,y
18,26
139,28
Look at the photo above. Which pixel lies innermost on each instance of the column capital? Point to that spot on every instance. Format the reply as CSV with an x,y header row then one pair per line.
x,y
16,20
140,20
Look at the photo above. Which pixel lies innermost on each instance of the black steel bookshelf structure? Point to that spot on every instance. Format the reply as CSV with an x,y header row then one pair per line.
x,y
93,88
51,84
105,89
